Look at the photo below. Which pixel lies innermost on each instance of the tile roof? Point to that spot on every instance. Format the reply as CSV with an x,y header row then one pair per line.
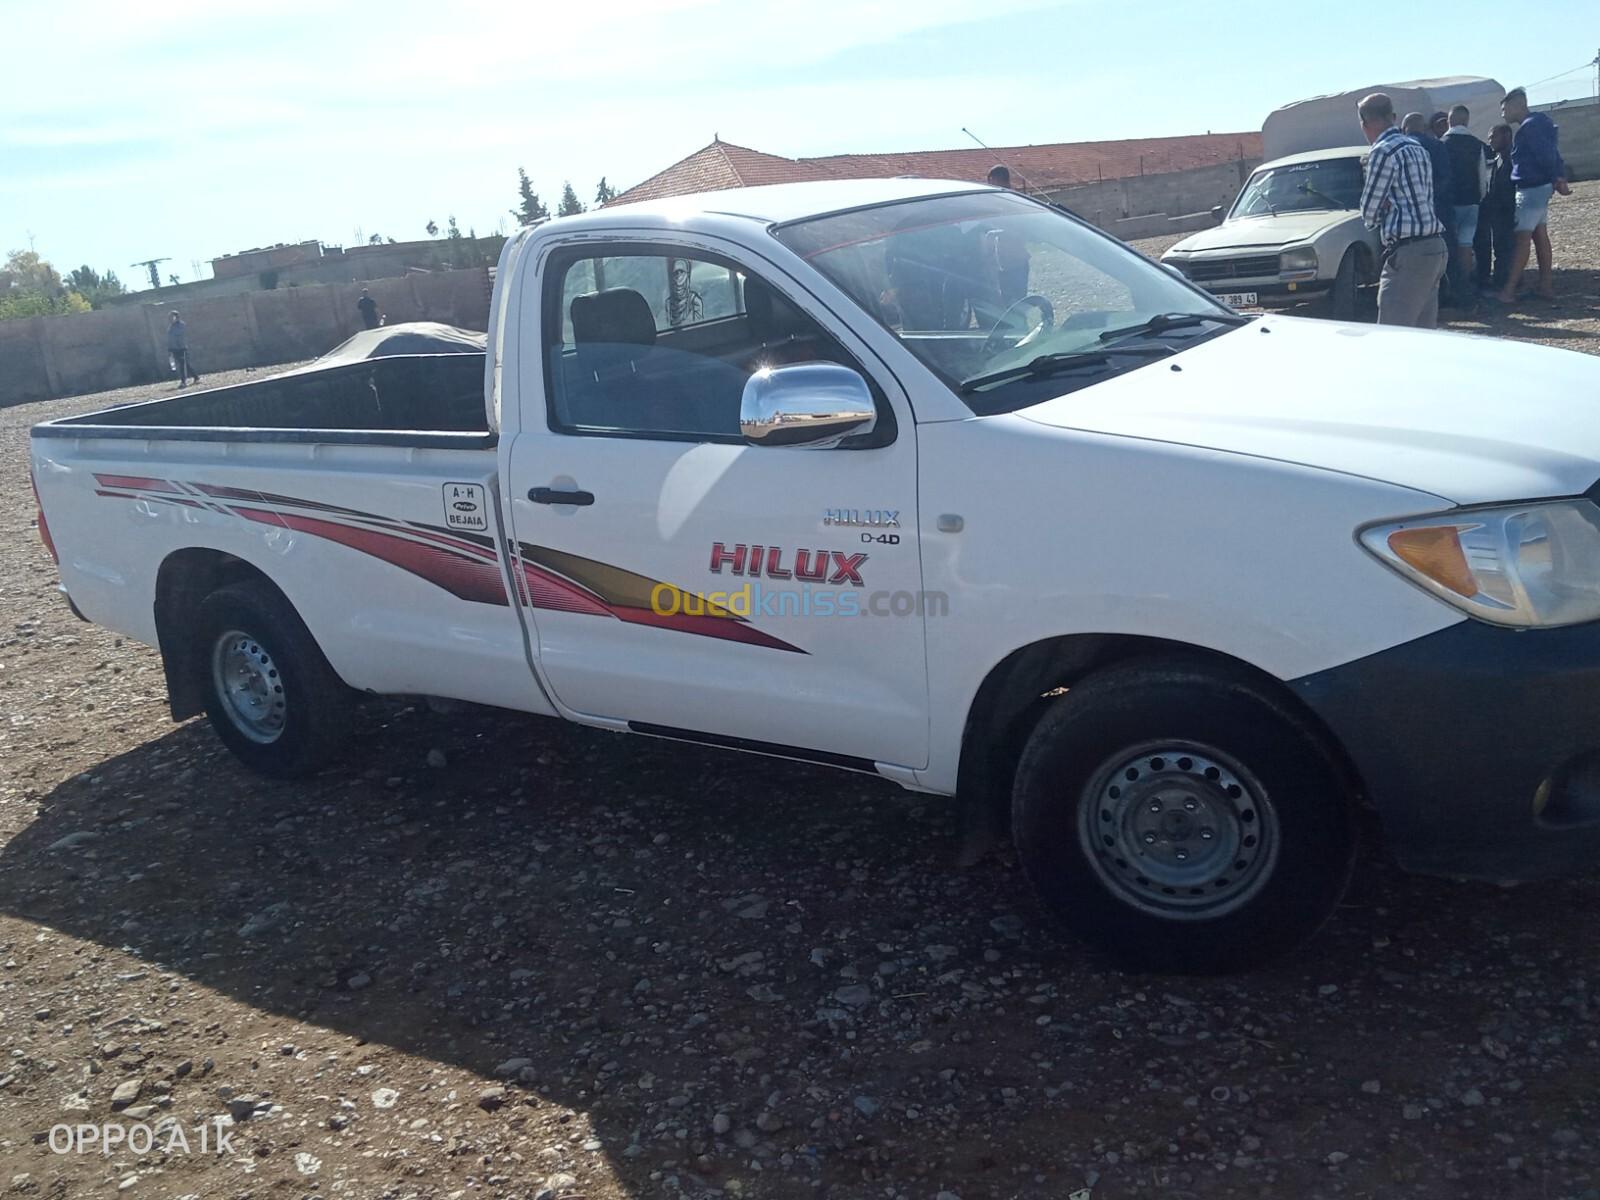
x,y
1062,164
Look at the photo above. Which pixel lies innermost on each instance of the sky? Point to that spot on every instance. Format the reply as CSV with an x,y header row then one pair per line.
x,y
188,129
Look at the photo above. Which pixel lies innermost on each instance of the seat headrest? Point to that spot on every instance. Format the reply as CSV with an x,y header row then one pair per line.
x,y
617,316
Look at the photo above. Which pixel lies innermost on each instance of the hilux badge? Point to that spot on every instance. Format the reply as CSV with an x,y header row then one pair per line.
x,y
874,518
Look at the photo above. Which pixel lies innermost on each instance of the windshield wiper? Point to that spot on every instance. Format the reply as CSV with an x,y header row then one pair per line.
x,y
1051,364
1162,322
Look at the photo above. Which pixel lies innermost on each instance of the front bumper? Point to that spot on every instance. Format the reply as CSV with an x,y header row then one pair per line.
x,y
1479,746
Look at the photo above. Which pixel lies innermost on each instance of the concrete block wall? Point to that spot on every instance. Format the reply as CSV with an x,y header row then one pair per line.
x,y
1579,123
43,357
1194,191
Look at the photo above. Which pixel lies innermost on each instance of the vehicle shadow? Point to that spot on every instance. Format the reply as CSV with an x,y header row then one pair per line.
x,y
641,922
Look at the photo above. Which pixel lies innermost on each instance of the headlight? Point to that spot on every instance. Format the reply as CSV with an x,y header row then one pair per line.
x,y
1523,564
1297,258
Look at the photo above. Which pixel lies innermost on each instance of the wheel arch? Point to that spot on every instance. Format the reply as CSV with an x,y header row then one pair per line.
x,y
1017,690
184,579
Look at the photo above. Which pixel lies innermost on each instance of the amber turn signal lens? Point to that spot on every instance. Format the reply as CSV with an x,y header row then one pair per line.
x,y
1435,551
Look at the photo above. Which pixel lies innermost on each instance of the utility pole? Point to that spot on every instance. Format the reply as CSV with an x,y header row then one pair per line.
x,y
149,264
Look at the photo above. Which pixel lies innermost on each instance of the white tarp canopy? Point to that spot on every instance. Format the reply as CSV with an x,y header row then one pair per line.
x,y
1328,122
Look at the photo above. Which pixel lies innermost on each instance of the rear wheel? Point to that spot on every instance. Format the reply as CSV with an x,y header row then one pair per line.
x,y
270,694
1173,815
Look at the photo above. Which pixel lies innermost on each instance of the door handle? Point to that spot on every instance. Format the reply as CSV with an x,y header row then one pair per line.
x,y
544,495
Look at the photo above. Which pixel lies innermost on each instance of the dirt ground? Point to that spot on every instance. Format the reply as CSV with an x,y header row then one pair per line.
x,y
491,956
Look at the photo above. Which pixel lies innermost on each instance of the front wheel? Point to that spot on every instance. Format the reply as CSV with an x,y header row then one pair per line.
x,y
1178,819
270,694
1346,291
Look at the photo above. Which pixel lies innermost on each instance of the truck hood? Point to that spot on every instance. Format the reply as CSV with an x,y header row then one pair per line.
x,y
1471,419
1254,233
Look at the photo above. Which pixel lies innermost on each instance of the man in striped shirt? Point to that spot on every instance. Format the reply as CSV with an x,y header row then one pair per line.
x,y
1398,202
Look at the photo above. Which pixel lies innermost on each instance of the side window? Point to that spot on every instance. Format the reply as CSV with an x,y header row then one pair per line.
x,y
654,343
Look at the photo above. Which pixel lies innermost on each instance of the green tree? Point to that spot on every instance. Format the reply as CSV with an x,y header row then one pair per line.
x,y
31,287
604,194
570,205
452,230
95,287
530,210
432,228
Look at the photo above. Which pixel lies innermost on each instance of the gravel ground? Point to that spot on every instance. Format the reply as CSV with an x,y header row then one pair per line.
x,y
487,955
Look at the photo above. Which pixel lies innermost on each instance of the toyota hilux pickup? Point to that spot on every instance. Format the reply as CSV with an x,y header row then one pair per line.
x,y
1293,233
928,481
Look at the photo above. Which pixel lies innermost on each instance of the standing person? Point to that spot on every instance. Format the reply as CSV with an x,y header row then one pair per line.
x,y
1439,124
369,310
1397,201
1498,216
1536,171
178,350
1469,179
1415,126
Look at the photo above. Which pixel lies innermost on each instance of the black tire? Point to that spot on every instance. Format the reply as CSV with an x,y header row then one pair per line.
x,y
1345,295
1276,810
289,712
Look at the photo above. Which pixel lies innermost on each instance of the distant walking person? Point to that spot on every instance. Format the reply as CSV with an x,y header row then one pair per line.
x,y
178,350
1397,201
1498,216
369,310
1536,171
1469,180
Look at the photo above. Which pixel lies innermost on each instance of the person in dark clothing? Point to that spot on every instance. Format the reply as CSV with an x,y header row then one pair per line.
x,y
1439,124
178,350
1469,176
1498,214
1000,176
369,310
1415,126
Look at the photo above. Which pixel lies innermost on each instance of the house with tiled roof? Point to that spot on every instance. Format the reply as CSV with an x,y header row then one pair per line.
x,y
1048,168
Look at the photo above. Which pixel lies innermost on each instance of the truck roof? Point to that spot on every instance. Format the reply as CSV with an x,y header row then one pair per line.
x,y
774,203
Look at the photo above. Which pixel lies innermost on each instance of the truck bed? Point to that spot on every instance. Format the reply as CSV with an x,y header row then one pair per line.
x,y
405,400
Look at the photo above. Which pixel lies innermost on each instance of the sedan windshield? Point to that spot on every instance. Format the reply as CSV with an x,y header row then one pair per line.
x,y
1301,187
1002,296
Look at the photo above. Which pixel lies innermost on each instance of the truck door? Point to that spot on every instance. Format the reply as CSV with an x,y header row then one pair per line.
x,y
687,582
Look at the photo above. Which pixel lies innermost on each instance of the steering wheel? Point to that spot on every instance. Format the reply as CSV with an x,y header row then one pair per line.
x,y
1047,321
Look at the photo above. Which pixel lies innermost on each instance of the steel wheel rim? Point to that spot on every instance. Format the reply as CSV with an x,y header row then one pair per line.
x,y
247,682
1179,830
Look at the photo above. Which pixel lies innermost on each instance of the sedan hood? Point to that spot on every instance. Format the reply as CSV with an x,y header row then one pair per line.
x,y
1254,233
1470,419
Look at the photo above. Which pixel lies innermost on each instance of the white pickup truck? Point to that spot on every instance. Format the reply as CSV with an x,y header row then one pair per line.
x,y
929,481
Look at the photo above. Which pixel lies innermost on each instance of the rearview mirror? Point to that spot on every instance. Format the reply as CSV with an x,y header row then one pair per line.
x,y
809,405
1217,212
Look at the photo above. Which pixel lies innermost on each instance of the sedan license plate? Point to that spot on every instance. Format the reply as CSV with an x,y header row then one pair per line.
x,y
1238,299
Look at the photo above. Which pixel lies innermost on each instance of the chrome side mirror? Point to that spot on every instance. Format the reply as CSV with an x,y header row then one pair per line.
x,y
809,405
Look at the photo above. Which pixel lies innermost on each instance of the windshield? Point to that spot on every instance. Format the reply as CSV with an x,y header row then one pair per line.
x,y
980,283
1301,187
